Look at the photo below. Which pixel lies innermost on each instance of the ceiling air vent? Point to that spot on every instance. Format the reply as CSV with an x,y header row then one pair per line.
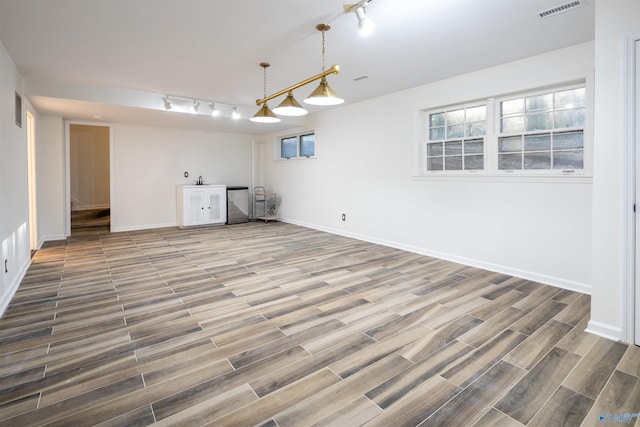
x,y
559,9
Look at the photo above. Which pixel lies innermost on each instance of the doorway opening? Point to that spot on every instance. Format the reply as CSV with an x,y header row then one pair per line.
x,y
89,183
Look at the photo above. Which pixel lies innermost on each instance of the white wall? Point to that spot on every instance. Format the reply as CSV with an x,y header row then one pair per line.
x,y
50,177
14,204
366,156
148,163
615,20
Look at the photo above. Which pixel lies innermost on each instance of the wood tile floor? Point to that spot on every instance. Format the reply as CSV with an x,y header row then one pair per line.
x,y
278,325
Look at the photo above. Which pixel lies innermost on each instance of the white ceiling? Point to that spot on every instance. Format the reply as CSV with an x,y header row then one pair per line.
x,y
117,58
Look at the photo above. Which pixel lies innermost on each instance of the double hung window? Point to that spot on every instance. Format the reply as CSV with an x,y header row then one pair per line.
x,y
456,139
543,131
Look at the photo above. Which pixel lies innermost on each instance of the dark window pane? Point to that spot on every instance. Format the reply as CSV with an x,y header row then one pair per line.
x,y
513,107
474,162
540,102
510,144
537,142
455,117
436,119
568,140
452,148
289,147
476,114
570,118
456,131
475,129
473,146
436,134
539,121
512,124
434,149
537,160
308,145
453,163
510,161
568,159
435,164
570,98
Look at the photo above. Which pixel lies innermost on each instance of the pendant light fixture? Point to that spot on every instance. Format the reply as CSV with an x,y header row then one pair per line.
x,y
290,107
264,114
323,95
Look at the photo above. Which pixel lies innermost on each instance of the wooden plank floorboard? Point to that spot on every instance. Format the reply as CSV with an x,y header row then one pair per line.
x,y
278,325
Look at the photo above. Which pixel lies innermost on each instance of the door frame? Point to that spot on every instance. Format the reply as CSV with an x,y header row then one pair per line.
x,y
67,150
34,241
630,304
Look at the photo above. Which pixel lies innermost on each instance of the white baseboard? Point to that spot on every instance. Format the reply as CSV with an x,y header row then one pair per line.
x,y
141,227
89,207
605,331
52,238
529,275
5,298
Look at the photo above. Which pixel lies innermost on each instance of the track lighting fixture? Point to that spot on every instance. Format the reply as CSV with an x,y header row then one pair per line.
x,y
264,114
182,104
323,95
167,103
365,25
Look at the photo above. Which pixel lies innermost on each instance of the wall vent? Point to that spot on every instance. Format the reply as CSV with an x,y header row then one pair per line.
x,y
559,9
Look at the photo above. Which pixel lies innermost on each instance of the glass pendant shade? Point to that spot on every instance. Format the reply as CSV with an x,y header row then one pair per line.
x,y
323,95
290,107
264,115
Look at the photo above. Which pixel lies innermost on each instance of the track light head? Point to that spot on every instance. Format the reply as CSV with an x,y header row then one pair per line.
x,y
365,25
214,110
167,103
235,115
196,106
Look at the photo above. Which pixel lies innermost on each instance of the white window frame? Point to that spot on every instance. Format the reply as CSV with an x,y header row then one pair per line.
x,y
491,171
544,172
298,136
424,151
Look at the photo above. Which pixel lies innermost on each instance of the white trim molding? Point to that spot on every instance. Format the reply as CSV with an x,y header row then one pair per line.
x,y
629,304
603,330
540,278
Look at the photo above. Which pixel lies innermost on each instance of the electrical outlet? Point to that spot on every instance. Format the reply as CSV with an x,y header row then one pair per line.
x,y
344,217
